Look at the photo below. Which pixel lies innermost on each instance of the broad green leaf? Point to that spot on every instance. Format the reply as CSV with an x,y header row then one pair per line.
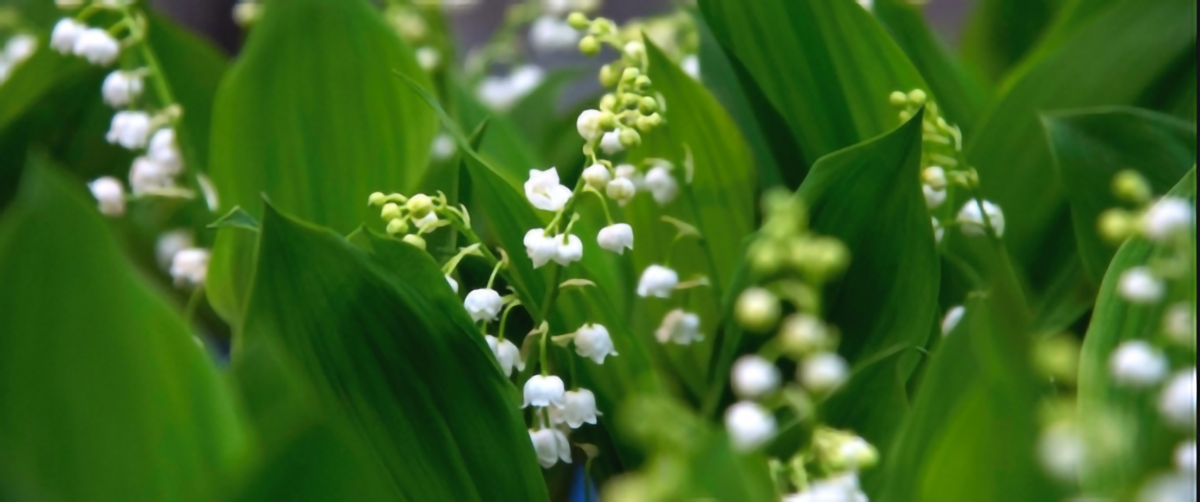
x,y
1091,146
1110,60
1136,442
32,79
311,115
537,114
505,145
389,353
106,394
237,218
826,66
1001,32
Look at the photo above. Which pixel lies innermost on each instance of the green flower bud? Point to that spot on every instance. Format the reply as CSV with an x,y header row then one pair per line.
x,y
642,82
608,102
905,115
898,98
630,100
1131,186
415,240
579,21
589,46
646,105
757,310
1058,357
602,26
630,138
917,97
609,76
608,121
397,227
419,205
655,119
1116,225
390,211
376,199
645,124
630,74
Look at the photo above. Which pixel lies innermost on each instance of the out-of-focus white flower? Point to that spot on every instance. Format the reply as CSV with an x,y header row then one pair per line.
x,y
616,238
97,47
189,267
804,334
611,143
934,177
129,129
540,247
621,190
1177,403
749,425
552,34
597,176
170,243
631,173
164,150
971,218
938,230
691,66
1169,488
754,377
867,4
1062,452
840,488
444,147
824,372
953,317
428,219
662,185
679,327
1168,217
483,304
854,453
551,445
658,281
1185,457
934,198
635,50
588,125
121,87
1179,324
66,33
429,58
109,194
545,192
19,48
757,309
502,93
1136,363
569,249
247,12
594,342
580,408
147,177
543,391
1139,285
507,354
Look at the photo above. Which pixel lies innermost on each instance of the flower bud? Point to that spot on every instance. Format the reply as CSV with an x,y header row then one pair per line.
x,y
749,425
917,97
608,78
642,83
589,46
419,205
1057,357
621,190
376,199
609,101
415,240
1116,225
1131,186
898,98
1136,363
578,21
607,121
630,138
630,100
1139,285
391,211
647,105
754,377
636,51
630,74
645,124
824,372
824,256
757,310
597,176
397,226
804,334
935,177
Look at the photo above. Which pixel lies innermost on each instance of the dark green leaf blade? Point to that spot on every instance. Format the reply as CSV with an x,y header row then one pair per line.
x,y
1001,32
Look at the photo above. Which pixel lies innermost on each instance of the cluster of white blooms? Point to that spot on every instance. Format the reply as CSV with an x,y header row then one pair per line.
x,y
16,50
96,45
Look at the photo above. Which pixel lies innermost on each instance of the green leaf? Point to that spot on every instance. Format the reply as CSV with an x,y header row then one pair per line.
x,y
1111,60
279,128
106,394
32,79
827,67
386,350
1001,32
1091,146
237,218
1136,442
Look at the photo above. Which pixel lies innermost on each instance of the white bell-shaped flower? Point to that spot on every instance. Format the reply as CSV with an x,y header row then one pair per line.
x,y
483,304
616,238
453,284
97,47
542,391
170,243
621,190
545,192
597,176
1062,451
552,34
66,33
189,267
580,408
1177,403
507,354
1139,285
1137,363
551,445
443,147
934,198
1168,217
662,185
754,377
19,48
569,249
749,425
934,177
109,194
594,342
843,487
631,173
429,219
129,129
804,334
971,219
952,318
657,281
147,176
163,148
1185,458
121,88
611,143
540,247
429,58
679,327
824,372
588,125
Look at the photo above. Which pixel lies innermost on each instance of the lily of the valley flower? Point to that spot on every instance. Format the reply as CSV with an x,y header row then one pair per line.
x,y
679,327
551,445
163,148
749,425
1139,285
1177,403
616,238
662,185
189,267
824,372
66,33
109,194
580,408
804,334
507,354
502,93
483,304
972,222
170,243
97,47
593,342
569,249
545,192
147,176
588,125
1168,217
121,88
658,281
611,143
540,247
597,176
934,198
754,377
1136,363
542,391
621,190
1185,458
129,129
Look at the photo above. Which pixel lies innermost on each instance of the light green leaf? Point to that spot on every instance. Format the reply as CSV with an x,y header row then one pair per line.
x,y
1001,32
1136,442
237,218
106,393
280,128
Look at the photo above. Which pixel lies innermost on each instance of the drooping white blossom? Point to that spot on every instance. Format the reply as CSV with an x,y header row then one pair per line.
x,y
453,284
507,354
934,198
552,34
163,148
824,372
804,334
597,176
551,445
483,304
121,88
1185,458
631,173
1139,285
757,309
621,190
953,317
749,425
580,408
542,391
971,219
1136,363
867,4
611,143
594,342
662,185
540,247
147,176
679,327
934,177
1063,452
544,190
170,243
66,33
97,47
588,125
569,249
130,129
1177,403
754,377
189,267
657,281
109,194
1168,217
426,220
616,238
